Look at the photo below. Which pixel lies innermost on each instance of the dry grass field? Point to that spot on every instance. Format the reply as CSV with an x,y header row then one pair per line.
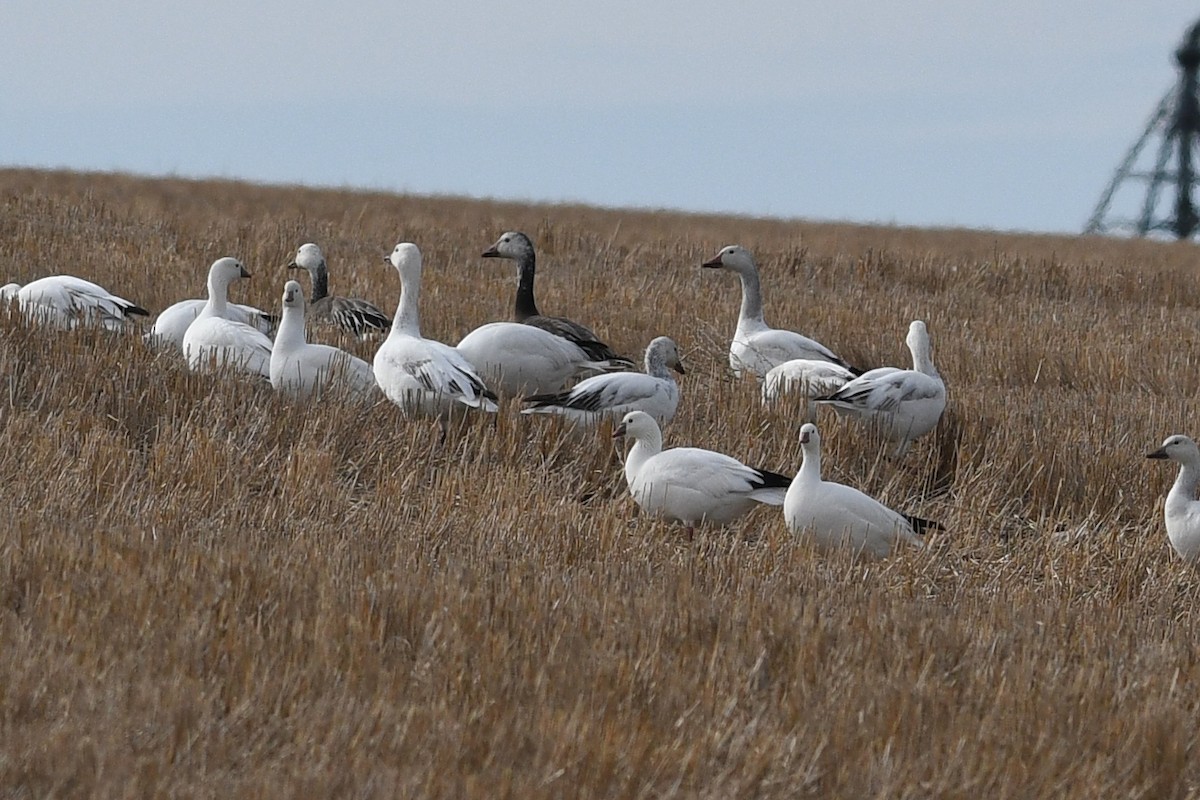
x,y
207,590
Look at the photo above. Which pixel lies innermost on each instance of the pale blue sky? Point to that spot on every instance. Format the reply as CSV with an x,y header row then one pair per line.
x,y
1008,116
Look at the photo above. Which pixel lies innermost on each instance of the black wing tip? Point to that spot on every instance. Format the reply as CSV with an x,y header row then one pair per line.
x,y
773,480
920,524
855,371
542,400
132,309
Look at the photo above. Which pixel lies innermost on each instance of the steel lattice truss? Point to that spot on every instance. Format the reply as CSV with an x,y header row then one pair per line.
x,y
1163,158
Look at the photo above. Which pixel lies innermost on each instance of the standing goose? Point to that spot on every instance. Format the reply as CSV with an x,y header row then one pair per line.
x,y
214,339
64,301
351,314
1182,510
612,396
757,348
904,403
691,485
517,247
419,374
840,516
302,369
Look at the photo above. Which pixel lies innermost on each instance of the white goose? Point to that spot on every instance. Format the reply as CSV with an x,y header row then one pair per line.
x,y
807,378
302,369
418,374
757,348
214,340
171,325
64,301
516,246
904,403
351,314
840,516
612,396
691,485
1182,510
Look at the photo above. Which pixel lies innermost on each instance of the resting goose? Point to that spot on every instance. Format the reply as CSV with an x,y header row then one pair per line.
x,y
519,359
215,340
691,485
172,323
517,247
840,516
904,403
757,348
418,374
351,314
1182,510
64,301
612,396
302,369
806,378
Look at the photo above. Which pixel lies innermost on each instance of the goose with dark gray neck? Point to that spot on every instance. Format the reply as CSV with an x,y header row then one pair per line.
x,y
516,246
351,314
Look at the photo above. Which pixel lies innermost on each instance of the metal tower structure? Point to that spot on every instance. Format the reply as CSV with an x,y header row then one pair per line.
x,y
1174,130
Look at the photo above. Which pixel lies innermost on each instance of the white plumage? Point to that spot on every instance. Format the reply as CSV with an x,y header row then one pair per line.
x,y
302,369
757,348
1182,511
214,340
518,359
691,485
418,374
612,396
805,378
171,325
905,404
64,301
840,516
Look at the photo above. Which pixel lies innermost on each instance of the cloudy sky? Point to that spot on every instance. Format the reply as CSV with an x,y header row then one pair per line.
x,y
1007,116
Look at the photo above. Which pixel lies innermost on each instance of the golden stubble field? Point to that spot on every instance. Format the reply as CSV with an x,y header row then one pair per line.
x,y
206,590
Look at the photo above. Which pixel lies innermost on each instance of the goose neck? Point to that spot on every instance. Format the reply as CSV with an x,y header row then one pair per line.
x,y
526,307
291,328
1184,488
320,283
810,465
751,315
645,446
407,320
218,294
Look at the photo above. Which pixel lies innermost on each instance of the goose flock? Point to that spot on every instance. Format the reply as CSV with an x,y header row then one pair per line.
x,y
534,358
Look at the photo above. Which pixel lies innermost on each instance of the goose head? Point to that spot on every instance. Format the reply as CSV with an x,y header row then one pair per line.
x,y
225,271
636,425
9,290
406,258
293,296
810,440
732,257
514,245
1178,448
308,257
664,348
918,338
